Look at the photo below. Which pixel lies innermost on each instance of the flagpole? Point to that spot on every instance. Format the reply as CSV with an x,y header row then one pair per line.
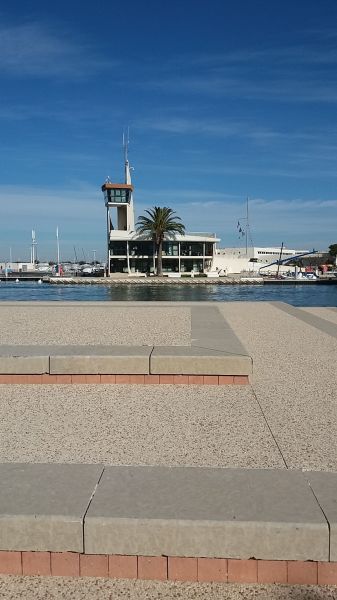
x,y
58,250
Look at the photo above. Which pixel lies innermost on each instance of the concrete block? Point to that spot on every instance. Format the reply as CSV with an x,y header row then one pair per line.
x,y
23,360
324,486
206,512
24,365
186,360
42,506
100,360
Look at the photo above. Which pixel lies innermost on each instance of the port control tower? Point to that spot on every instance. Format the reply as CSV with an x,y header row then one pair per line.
x,y
118,198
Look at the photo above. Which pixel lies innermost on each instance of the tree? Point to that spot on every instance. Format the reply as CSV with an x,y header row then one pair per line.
x,y
158,223
333,250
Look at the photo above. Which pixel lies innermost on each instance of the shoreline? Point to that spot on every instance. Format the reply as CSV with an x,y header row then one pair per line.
x,y
159,281
145,281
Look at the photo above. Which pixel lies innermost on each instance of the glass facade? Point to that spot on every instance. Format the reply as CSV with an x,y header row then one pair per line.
x,y
118,248
171,249
193,257
187,265
141,248
191,249
121,196
208,249
141,265
118,265
170,265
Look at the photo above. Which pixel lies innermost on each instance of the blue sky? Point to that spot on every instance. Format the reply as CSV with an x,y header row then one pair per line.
x,y
223,100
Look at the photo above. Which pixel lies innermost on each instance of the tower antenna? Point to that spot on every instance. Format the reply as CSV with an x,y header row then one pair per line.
x,y
126,141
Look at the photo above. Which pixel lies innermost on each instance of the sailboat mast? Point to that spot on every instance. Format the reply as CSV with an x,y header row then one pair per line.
x,y
247,226
279,261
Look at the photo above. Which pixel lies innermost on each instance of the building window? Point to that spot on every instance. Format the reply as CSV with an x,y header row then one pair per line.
x,y
118,248
117,195
170,249
191,249
118,265
186,266
170,266
141,248
209,249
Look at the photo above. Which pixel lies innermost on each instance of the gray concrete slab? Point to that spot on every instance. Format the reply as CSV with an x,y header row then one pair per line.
x,y
130,425
310,319
327,313
206,512
184,360
99,359
42,508
209,329
324,486
23,365
29,351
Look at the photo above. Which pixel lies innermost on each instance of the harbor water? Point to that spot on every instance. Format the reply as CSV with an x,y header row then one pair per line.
x,y
297,295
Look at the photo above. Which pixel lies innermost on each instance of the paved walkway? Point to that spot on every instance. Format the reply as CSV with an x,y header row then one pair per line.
x,y
286,418
57,588
97,323
294,381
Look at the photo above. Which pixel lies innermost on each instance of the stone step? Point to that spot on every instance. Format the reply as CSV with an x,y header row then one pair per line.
x,y
265,514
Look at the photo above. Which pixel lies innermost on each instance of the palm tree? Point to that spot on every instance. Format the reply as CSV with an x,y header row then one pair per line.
x,y
159,223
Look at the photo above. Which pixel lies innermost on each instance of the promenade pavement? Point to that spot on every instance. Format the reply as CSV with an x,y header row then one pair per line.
x,y
84,323
286,418
61,588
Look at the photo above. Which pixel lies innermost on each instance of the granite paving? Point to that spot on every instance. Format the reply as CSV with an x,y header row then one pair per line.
x,y
57,588
294,381
287,417
130,425
103,324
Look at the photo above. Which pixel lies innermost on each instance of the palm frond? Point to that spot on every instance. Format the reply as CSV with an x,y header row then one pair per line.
x,y
158,222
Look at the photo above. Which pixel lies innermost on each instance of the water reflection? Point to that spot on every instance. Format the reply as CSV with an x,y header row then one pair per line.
x,y
297,295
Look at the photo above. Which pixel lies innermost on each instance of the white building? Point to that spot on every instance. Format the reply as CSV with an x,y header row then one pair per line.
x,y
17,266
238,260
131,253
264,254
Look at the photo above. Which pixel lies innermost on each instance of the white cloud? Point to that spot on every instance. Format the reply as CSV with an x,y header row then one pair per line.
x,y
32,49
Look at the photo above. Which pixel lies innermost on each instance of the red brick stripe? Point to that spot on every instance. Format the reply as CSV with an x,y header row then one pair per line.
x,y
127,379
72,564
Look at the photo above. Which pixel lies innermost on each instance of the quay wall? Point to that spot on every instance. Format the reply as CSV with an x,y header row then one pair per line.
x,y
109,281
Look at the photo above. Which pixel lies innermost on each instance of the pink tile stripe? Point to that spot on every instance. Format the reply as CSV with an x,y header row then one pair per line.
x,y
161,568
128,379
